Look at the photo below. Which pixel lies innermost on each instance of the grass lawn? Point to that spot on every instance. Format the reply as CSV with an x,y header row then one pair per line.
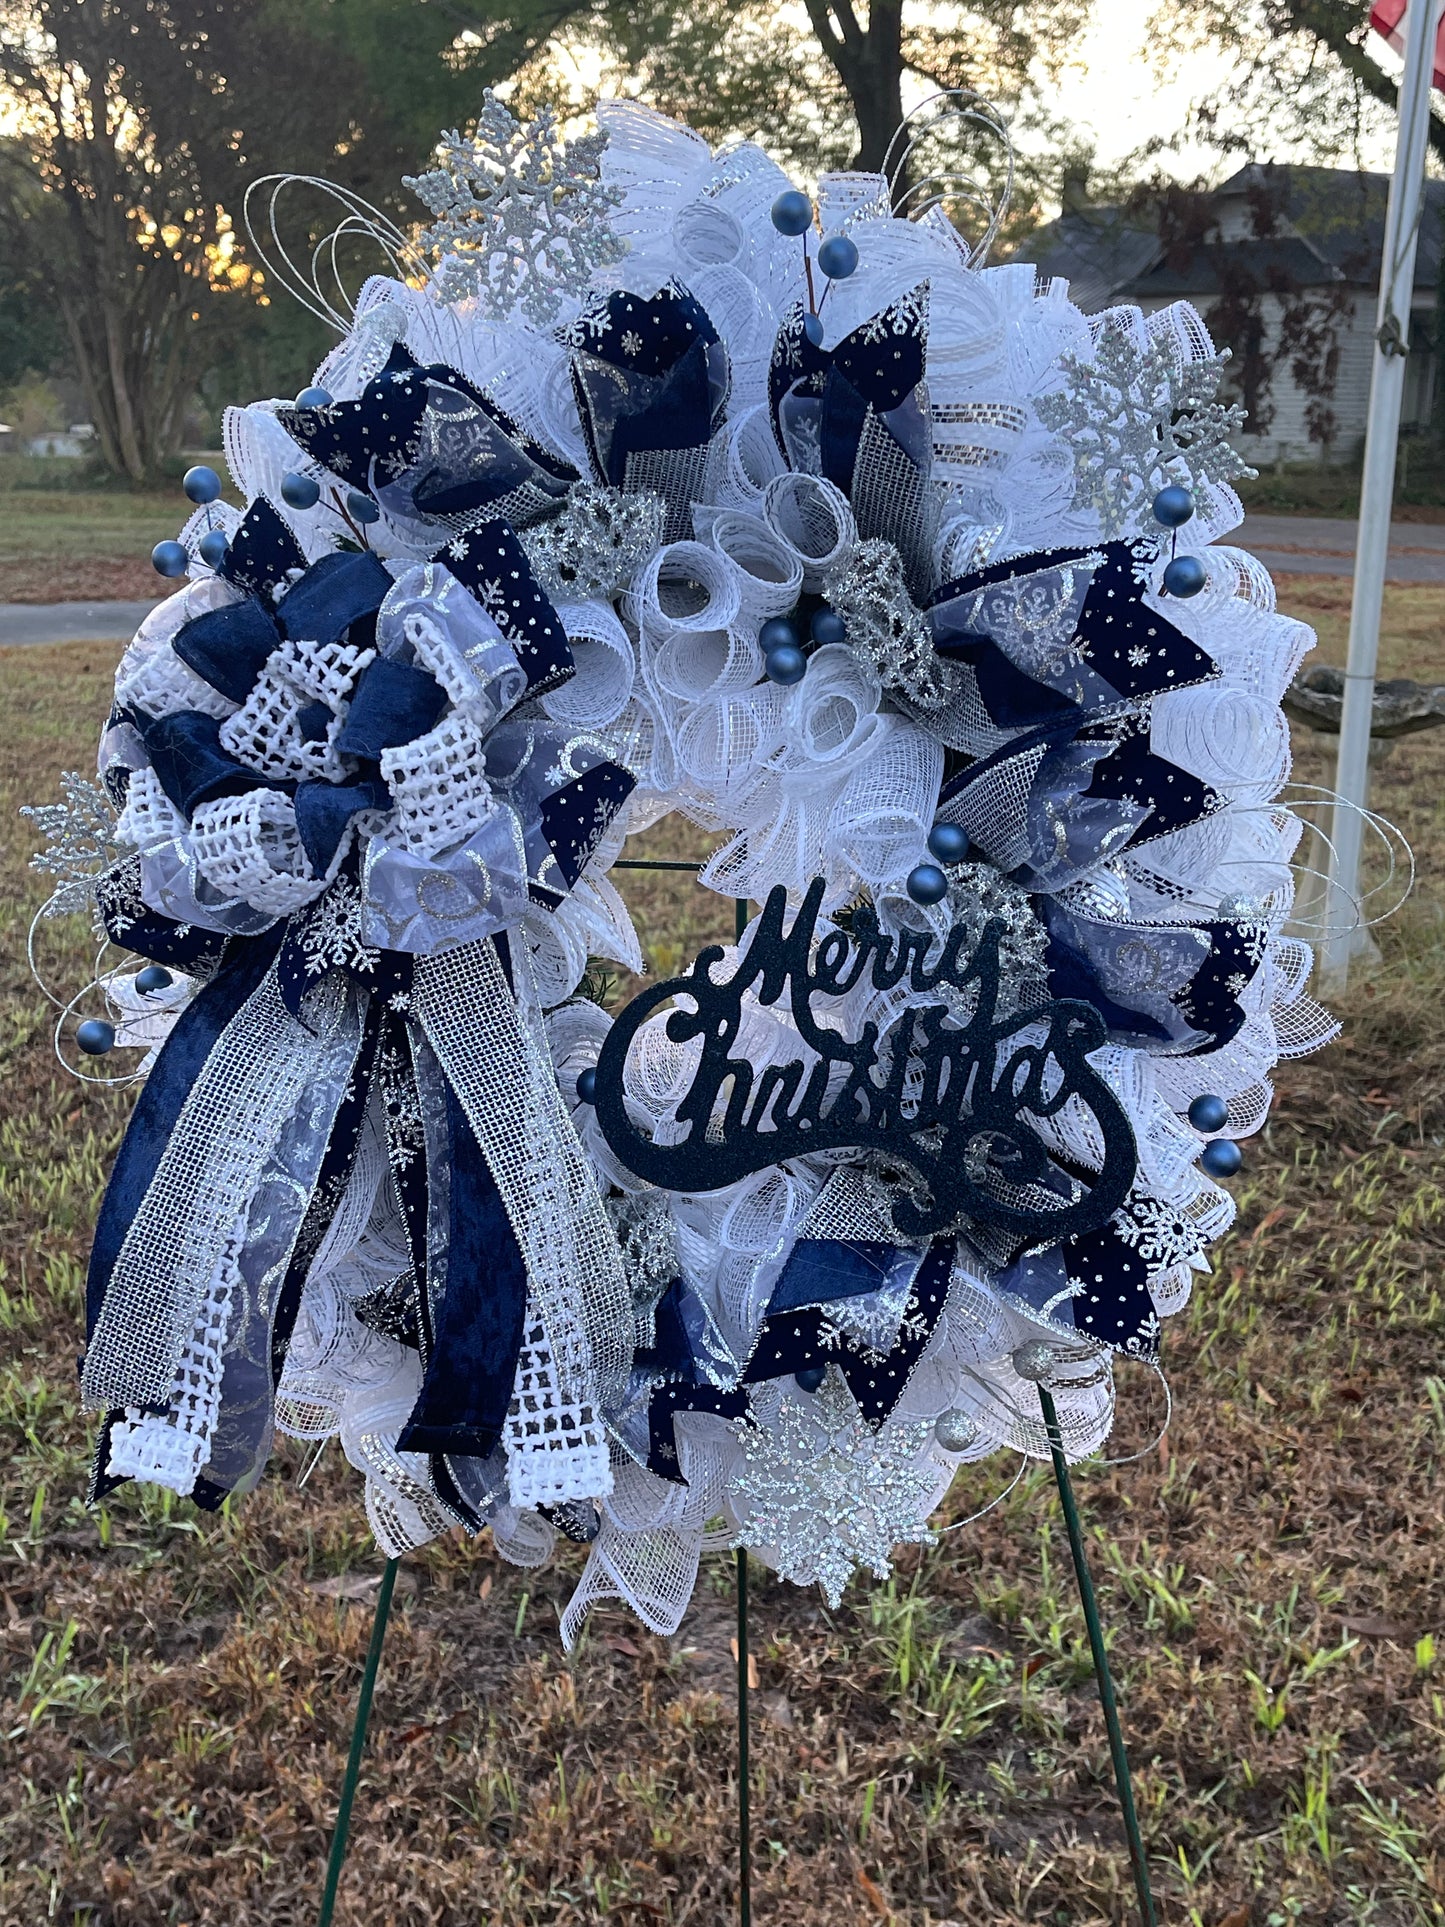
x,y
63,545
178,1689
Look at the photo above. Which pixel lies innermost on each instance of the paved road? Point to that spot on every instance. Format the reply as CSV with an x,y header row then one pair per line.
x,y
70,621
1286,544
1313,545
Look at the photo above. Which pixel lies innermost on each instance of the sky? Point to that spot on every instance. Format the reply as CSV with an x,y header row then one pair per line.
x,y
1114,93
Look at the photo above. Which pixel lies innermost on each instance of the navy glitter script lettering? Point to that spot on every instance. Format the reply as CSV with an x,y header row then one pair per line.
x,y
947,1098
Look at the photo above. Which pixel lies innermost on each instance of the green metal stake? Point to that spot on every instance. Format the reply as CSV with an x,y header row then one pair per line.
x,y
745,1843
745,1840
358,1745
1101,1660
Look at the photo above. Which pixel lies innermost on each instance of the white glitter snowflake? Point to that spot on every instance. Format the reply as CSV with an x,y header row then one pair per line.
x,y
1163,1235
333,936
80,832
522,219
405,1126
1137,419
827,1494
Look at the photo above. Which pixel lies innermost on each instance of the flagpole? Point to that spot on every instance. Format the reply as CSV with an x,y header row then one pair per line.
x,y
1377,489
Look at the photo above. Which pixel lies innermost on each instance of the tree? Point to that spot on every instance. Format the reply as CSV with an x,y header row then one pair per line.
x,y
1306,75
140,123
825,88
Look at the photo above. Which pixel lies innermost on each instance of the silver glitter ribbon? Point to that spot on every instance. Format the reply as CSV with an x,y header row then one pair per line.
x,y
257,1074
495,1060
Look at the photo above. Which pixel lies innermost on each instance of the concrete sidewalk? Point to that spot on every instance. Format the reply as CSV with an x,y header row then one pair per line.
x,y
1286,544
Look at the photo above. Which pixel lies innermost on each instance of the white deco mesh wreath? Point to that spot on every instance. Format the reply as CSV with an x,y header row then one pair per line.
x,y
1030,430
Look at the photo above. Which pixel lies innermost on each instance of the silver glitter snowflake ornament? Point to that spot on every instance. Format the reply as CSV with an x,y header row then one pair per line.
x,y
521,217
1137,418
826,1495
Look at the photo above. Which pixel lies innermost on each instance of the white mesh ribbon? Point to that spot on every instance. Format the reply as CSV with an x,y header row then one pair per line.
x,y
260,1068
497,1064
249,847
556,1448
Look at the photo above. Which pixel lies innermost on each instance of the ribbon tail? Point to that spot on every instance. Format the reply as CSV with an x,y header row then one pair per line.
x,y
191,1215
472,1310
219,1410
502,1078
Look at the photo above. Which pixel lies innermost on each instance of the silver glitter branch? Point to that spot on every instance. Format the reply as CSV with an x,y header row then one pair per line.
x,y
827,1494
1138,419
596,544
884,628
521,218
83,844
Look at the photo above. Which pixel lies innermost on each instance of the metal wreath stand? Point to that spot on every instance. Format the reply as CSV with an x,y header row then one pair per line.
x,y
1087,1600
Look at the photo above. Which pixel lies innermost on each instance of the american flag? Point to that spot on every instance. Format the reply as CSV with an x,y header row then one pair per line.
x,y
1387,17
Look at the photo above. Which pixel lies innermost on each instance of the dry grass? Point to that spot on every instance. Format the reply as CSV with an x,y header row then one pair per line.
x,y
59,546
176,1691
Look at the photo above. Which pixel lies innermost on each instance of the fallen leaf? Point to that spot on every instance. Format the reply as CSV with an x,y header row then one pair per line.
x,y
752,1665
1034,1663
620,1643
1236,1917
1372,1626
411,1733
874,1894
484,1591
1268,1222
1264,1398
777,1709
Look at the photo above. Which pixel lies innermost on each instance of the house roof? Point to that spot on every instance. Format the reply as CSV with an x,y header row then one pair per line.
x,y
1282,262
1097,250
1321,225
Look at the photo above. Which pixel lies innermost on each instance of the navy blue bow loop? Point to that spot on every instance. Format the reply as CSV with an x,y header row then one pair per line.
x,y
392,703
858,415
651,381
1078,622
1051,805
192,767
379,430
338,590
263,554
228,647
432,447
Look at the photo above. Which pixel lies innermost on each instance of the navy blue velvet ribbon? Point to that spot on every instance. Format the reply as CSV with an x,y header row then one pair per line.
x,y
228,647
336,591
158,1107
473,1335
186,754
323,811
393,703
263,553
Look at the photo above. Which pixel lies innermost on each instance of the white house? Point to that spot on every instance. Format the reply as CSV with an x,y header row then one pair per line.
x,y
1283,263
